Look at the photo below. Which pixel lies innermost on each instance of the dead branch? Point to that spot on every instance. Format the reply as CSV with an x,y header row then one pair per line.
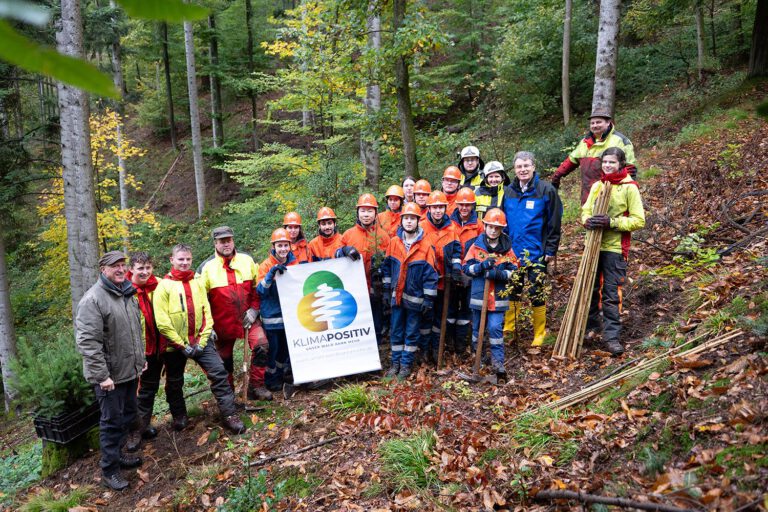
x,y
743,242
728,205
312,446
165,178
606,500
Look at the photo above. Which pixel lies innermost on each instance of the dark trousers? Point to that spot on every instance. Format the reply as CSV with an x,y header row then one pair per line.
x,y
213,366
173,363
457,323
536,275
279,362
611,275
376,311
118,412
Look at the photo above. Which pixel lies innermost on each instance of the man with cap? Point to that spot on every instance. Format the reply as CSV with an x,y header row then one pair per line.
x,y
471,166
109,337
229,278
586,156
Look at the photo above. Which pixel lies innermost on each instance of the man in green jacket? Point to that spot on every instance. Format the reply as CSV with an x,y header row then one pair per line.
x,y
109,337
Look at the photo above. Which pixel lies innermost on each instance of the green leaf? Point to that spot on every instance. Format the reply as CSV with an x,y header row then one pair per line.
x,y
26,54
163,10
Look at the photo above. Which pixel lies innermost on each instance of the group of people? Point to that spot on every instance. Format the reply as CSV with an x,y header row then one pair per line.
x,y
479,239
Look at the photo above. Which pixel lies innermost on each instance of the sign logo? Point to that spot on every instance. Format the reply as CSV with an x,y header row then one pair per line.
x,y
326,305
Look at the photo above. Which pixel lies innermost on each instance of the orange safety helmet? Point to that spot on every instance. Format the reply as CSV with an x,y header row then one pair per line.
x,y
452,172
280,235
325,213
465,196
411,209
437,198
495,217
422,187
395,190
292,219
367,200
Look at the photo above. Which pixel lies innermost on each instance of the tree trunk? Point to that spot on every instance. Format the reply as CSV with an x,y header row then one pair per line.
x,y
713,33
306,119
117,76
251,69
369,147
758,54
194,117
217,124
79,201
168,90
566,80
698,14
7,332
403,92
604,92
738,29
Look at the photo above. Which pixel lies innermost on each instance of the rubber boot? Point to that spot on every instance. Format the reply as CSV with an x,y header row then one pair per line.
x,y
539,325
512,316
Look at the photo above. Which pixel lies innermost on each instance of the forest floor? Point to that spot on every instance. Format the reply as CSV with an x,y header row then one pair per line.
x,y
690,433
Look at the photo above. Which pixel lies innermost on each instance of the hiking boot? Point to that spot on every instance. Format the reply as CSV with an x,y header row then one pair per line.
x,y
234,424
501,376
180,423
614,347
133,442
259,393
114,481
130,461
149,433
288,390
392,372
404,373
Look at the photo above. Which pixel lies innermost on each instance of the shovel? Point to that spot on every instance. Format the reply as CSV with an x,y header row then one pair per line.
x,y
476,377
443,322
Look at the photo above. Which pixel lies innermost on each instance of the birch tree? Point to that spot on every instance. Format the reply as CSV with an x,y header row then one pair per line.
x,y
79,202
604,92
194,117
7,333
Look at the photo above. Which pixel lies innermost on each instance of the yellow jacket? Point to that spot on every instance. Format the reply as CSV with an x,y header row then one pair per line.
x,y
173,313
625,210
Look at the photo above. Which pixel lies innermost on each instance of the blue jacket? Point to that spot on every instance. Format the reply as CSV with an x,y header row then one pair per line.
x,y
409,276
271,314
505,260
533,219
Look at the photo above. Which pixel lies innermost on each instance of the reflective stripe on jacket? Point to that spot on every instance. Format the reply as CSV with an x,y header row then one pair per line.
x,y
410,274
271,314
172,312
505,260
231,291
488,197
625,210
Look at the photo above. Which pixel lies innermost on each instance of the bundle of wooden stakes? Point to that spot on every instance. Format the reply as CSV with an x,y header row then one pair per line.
x,y
574,324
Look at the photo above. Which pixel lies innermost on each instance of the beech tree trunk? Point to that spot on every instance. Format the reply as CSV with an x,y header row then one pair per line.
x,y
7,332
194,117
403,92
566,79
604,92
369,147
698,14
79,200
251,69
217,123
168,90
758,54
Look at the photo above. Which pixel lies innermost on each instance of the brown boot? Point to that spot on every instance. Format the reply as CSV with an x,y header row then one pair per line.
x,y
259,393
234,424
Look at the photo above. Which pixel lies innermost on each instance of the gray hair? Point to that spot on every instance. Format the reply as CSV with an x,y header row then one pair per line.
x,y
524,155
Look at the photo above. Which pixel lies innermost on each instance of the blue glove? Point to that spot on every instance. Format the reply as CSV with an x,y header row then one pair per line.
x,y
496,274
456,273
488,264
281,268
350,252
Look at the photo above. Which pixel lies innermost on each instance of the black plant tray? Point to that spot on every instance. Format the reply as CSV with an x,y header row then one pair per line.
x,y
68,426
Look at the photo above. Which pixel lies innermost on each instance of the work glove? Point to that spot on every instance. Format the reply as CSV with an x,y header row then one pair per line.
x,y
192,351
496,274
426,307
350,252
213,338
456,273
488,264
598,222
249,317
280,268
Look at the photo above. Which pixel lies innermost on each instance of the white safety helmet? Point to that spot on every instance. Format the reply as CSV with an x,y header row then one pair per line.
x,y
468,152
495,166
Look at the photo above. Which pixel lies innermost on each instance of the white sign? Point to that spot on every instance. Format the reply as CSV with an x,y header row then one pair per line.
x,y
328,321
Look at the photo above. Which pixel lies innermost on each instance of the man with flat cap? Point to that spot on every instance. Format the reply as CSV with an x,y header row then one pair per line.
x,y
109,337
229,278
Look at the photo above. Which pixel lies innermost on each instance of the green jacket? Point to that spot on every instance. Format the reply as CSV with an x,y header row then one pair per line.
x,y
625,210
109,335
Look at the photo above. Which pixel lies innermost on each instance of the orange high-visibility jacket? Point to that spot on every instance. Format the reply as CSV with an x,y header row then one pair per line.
x,y
390,221
445,243
301,250
367,242
322,248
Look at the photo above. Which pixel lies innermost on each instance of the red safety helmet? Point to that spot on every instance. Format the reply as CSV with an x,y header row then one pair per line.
x,y
465,196
292,219
395,190
422,187
325,213
495,217
280,235
437,198
452,172
367,200
411,209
